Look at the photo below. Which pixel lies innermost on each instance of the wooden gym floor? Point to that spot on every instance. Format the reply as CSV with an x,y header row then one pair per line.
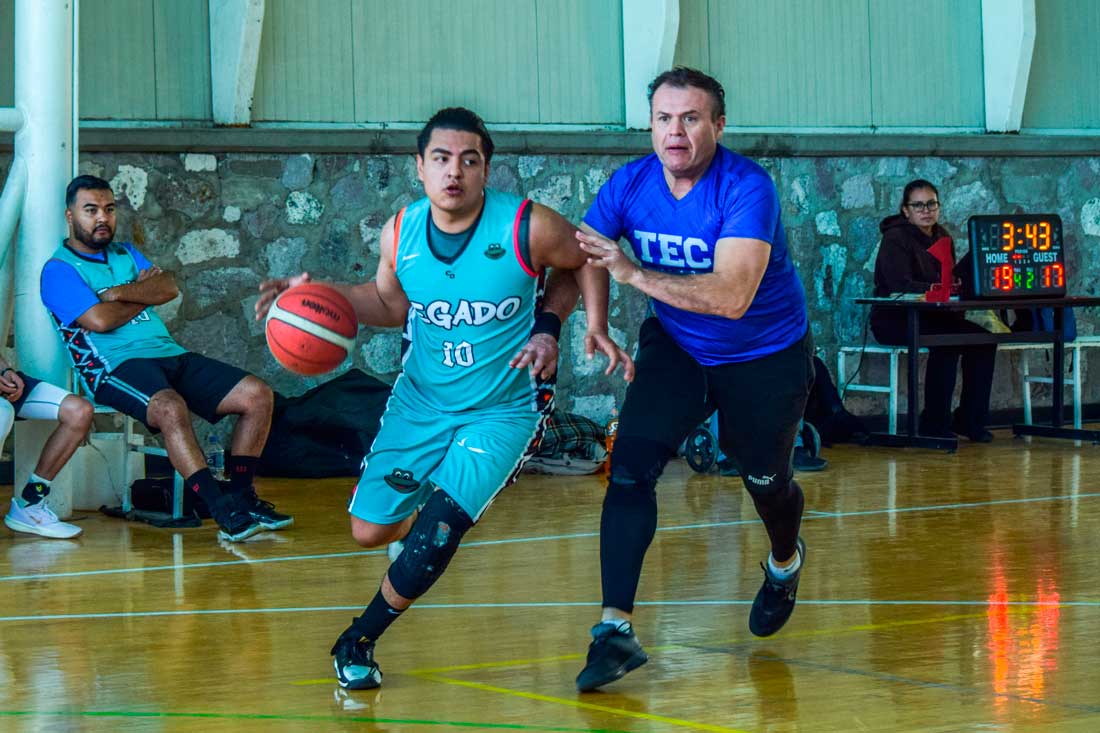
x,y
941,593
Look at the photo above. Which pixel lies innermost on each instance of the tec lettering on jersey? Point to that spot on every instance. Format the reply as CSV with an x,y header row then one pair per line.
x,y
449,315
673,251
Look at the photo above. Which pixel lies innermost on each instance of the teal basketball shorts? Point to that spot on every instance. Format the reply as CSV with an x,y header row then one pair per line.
x,y
471,455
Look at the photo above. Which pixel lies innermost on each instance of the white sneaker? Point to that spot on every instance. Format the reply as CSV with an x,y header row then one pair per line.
x,y
39,519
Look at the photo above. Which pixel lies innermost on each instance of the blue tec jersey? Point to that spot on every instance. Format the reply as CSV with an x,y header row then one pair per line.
x,y
734,198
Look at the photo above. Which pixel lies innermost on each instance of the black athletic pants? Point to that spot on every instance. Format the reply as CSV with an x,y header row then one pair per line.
x,y
939,373
759,404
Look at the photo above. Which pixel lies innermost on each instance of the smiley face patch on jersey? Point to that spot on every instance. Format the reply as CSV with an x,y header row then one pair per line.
x,y
403,481
494,251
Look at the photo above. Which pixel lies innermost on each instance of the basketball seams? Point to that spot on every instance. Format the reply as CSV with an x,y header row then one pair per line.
x,y
324,296
312,328
319,360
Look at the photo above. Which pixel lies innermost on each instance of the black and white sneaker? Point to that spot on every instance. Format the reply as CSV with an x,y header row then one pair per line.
x,y
354,663
232,515
774,602
614,651
264,511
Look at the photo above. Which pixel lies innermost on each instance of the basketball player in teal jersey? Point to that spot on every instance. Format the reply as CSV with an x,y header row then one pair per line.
x,y
463,270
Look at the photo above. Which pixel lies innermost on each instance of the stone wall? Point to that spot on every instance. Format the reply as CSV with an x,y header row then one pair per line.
x,y
224,222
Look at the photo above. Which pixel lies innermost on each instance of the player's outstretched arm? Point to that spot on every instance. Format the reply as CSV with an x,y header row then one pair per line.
x,y
553,244
540,353
380,302
728,291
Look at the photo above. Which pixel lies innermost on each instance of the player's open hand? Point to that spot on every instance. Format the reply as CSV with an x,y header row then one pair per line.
x,y
599,341
602,252
270,289
540,354
11,385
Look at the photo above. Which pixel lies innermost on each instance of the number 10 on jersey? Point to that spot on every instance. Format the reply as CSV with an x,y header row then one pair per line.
x,y
460,354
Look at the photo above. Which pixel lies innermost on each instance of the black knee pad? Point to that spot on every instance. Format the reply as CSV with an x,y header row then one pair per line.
x,y
429,546
637,462
624,495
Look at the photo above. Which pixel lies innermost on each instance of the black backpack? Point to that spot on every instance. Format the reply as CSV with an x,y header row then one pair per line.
x,y
326,431
826,411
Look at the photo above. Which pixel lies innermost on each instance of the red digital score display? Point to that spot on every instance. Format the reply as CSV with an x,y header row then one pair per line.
x,y
1017,255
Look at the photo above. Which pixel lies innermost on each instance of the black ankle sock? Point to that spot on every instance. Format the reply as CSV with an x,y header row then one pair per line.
x,y
35,492
376,618
242,470
203,483
627,525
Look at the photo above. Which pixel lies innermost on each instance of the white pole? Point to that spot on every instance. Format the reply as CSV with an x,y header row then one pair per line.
x,y
74,76
43,93
11,206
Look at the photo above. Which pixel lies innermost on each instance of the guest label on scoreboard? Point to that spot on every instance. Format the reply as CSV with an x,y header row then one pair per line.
x,y
1017,255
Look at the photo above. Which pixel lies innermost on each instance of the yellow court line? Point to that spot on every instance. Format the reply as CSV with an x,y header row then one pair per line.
x,y
493,665
583,705
809,633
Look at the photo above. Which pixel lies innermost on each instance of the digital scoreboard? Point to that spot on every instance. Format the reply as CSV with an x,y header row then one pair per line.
x,y
1017,255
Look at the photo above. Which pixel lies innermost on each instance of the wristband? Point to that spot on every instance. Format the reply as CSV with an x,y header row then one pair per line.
x,y
5,371
547,322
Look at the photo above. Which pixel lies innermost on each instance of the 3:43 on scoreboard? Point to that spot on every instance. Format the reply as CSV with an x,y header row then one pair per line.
x,y
1019,255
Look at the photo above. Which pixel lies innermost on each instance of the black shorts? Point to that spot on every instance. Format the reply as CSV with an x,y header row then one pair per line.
x,y
29,383
759,402
202,382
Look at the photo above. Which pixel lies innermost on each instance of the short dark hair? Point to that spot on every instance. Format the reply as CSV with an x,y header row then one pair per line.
x,y
84,183
916,185
683,76
456,118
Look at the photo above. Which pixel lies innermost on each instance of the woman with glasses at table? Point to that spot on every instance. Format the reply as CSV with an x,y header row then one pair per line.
x,y
904,265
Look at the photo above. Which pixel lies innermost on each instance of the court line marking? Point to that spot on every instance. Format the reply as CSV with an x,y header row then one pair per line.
x,y
309,718
544,538
534,604
619,712
912,681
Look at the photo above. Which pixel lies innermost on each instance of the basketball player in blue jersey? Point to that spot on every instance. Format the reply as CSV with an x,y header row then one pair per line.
x,y
728,333
462,269
101,295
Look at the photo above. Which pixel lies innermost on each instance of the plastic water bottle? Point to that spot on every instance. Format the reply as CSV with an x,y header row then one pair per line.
x,y
215,456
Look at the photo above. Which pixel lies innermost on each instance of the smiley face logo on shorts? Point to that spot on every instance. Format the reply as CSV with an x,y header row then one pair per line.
x,y
403,481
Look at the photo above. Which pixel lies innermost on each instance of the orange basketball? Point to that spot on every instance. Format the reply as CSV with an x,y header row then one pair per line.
x,y
311,329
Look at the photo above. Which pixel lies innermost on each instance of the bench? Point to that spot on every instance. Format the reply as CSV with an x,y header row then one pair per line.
x,y
1073,348
132,447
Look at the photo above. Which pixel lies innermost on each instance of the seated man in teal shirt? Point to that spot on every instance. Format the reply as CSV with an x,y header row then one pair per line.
x,y
101,295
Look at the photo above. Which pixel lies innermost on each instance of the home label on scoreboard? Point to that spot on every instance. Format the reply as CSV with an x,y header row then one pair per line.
x,y
1017,255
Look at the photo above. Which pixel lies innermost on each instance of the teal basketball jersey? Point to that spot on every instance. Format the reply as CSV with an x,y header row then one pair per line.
x,y
470,314
144,336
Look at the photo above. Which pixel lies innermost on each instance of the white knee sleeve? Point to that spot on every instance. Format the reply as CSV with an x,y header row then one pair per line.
x,y
7,419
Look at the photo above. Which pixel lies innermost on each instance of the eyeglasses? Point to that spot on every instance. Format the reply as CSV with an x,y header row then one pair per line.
x,y
924,205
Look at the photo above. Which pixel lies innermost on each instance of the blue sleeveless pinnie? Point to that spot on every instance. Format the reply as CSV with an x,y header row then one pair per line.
x,y
460,418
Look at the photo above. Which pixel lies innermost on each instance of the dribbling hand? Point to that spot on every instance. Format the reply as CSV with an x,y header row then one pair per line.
x,y
270,289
